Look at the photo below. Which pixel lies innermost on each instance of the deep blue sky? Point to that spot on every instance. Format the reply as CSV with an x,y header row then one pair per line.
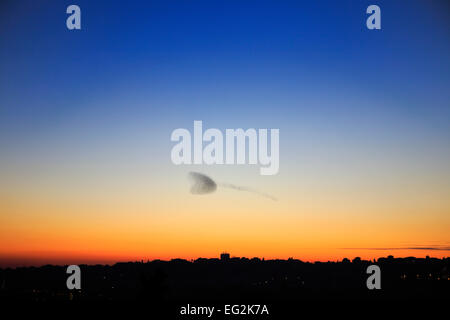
x,y
299,66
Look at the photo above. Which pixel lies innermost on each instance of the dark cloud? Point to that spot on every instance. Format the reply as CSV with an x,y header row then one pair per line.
x,y
202,184
262,194
437,248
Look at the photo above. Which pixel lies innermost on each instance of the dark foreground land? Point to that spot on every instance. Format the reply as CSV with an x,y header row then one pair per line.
x,y
235,280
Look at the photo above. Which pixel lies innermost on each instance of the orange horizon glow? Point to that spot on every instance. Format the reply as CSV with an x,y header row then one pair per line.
x,y
77,226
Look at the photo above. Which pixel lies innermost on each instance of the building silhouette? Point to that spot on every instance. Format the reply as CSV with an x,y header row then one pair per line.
x,y
224,256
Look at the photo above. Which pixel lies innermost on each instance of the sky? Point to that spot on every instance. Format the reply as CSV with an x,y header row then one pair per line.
x,y
86,118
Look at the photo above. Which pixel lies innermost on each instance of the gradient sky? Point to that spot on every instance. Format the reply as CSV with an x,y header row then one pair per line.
x,y
86,118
